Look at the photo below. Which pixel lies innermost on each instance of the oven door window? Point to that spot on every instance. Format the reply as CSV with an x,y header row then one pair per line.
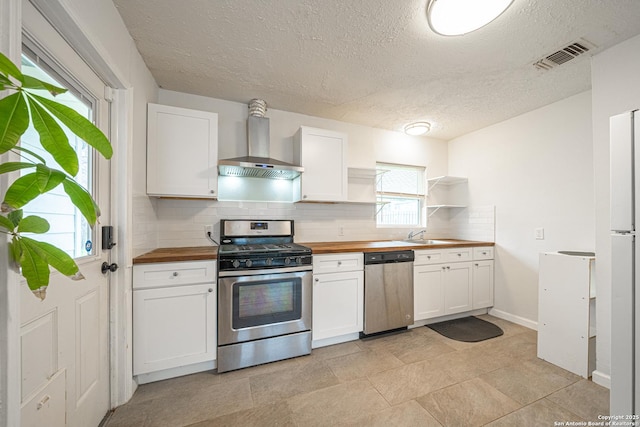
x,y
265,302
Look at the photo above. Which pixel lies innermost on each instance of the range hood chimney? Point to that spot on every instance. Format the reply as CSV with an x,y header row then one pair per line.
x,y
258,164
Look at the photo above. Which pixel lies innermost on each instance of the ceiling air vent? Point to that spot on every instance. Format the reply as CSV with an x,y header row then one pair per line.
x,y
564,55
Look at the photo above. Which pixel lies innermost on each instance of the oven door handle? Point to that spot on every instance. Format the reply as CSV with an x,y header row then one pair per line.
x,y
243,273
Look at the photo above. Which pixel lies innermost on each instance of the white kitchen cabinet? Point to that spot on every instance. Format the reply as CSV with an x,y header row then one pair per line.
x,y
182,152
446,281
174,319
323,154
338,298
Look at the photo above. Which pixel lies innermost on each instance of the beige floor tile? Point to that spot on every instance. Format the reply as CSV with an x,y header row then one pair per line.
x,y
464,365
332,351
361,364
525,382
343,403
199,405
471,403
553,368
408,382
180,385
518,346
540,413
410,346
271,387
507,327
275,414
584,398
407,414
131,415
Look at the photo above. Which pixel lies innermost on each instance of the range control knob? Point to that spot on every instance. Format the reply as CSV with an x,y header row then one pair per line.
x,y
269,261
236,263
299,260
248,263
287,261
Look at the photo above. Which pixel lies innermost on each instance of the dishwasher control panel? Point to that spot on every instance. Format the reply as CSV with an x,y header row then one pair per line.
x,y
388,257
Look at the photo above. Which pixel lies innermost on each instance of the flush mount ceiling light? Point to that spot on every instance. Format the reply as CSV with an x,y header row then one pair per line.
x,y
417,128
457,17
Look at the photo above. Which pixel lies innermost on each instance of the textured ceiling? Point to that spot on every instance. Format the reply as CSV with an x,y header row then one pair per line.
x,y
373,62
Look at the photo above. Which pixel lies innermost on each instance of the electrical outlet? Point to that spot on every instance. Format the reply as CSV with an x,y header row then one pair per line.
x,y
208,230
540,233
341,231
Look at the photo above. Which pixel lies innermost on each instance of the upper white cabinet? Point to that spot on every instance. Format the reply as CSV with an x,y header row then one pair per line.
x,y
182,152
323,154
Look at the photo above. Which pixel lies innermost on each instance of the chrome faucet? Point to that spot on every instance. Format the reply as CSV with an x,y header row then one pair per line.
x,y
413,234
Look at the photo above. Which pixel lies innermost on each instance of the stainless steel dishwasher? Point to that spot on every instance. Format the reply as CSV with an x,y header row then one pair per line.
x,y
388,291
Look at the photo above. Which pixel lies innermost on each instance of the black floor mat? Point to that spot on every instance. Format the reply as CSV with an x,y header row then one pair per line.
x,y
468,329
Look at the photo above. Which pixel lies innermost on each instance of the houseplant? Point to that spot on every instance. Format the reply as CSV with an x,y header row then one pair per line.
x,y
23,106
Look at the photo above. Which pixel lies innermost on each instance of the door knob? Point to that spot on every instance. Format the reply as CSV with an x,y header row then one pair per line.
x,y
106,267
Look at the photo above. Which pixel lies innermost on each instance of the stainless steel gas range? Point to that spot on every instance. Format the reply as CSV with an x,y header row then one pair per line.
x,y
264,294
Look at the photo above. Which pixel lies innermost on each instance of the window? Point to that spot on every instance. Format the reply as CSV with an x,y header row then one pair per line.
x,y
400,195
69,230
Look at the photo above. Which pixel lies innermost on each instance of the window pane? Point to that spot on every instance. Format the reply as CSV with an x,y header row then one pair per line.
x,y
69,230
400,179
398,211
400,195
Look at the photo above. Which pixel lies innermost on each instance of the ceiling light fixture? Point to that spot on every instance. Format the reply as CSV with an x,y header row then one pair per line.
x,y
417,128
458,17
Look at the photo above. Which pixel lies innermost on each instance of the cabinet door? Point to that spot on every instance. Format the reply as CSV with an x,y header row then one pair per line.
x,y
337,304
173,327
428,291
457,287
323,154
182,152
482,284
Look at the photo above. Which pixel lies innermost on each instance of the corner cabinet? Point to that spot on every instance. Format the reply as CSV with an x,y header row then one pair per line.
x,y
338,298
182,152
174,319
323,154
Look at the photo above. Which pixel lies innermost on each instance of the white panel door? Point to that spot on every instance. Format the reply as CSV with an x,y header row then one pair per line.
x,y
621,160
482,284
65,338
457,288
338,302
428,291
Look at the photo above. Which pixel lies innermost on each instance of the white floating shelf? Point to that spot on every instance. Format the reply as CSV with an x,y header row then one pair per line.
x,y
436,208
361,173
447,180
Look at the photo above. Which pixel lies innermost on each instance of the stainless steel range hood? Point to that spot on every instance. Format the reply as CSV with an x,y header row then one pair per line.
x,y
258,164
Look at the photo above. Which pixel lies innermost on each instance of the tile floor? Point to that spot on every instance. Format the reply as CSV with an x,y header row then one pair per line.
x,y
416,378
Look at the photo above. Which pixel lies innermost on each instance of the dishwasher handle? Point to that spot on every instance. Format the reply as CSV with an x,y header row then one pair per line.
x,y
388,257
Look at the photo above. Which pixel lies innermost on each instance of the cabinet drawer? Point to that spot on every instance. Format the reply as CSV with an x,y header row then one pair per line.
x,y
483,252
429,256
333,263
458,254
161,275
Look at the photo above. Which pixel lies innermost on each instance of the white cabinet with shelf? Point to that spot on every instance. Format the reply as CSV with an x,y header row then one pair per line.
x,y
444,183
566,312
323,154
338,298
174,319
182,152
446,281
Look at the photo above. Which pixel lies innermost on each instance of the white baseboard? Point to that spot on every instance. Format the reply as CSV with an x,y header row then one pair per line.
x,y
601,379
335,340
515,319
175,372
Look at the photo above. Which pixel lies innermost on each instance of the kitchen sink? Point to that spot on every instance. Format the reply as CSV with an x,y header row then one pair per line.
x,y
428,242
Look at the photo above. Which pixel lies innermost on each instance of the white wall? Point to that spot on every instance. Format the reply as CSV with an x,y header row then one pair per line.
x,y
537,169
181,222
615,86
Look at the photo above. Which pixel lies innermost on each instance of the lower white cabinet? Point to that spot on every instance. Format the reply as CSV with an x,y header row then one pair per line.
x,y
482,284
445,281
338,297
174,323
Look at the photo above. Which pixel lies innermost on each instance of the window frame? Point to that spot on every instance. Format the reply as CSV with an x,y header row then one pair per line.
x,y
420,195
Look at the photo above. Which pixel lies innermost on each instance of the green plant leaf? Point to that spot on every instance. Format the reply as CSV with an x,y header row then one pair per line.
x,y
53,256
78,125
33,83
35,156
33,224
82,200
48,178
5,81
22,191
8,67
14,120
6,223
34,268
14,166
14,251
53,138
15,217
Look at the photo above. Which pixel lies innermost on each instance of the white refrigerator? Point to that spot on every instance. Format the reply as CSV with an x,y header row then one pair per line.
x,y
625,263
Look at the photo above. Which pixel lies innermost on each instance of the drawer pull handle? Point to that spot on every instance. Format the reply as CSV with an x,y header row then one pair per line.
x,y
444,268
428,256
448,268
316,279
175,274
339,263
484,253
476,264
43,402
459,254
210,289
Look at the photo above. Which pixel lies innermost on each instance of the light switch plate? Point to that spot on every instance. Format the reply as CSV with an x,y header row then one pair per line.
x,y
540,233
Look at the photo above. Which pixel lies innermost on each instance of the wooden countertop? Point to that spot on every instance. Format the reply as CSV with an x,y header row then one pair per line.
x,y
211,252
383,245
195,253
